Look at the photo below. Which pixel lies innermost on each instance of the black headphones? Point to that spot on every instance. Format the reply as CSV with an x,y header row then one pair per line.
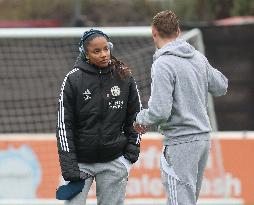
x,y
86,35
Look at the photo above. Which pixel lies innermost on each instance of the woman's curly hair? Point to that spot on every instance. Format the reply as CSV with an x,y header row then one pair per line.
x,y
122,69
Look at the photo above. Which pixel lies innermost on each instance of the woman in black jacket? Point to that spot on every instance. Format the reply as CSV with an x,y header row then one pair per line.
x,y
98,104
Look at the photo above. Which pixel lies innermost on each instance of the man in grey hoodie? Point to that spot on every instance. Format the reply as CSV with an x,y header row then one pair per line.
x,y
181,80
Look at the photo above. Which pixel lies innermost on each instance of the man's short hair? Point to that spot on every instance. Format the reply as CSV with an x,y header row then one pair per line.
x,y
166,23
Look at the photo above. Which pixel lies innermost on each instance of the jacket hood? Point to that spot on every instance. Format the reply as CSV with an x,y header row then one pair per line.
x,y
178,48
91,68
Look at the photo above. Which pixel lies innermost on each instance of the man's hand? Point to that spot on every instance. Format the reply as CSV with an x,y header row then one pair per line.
x,y
141,129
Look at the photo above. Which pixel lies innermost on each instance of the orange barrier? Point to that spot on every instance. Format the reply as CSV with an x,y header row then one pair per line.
x,y
29,168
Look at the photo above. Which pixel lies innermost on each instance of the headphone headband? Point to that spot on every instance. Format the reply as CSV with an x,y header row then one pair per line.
x,y
89,33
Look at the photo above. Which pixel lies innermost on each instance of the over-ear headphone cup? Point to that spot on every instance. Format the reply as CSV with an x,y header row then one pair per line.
x,y
110,45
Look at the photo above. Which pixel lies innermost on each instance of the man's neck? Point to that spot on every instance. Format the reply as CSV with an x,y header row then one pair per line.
x,y
163,41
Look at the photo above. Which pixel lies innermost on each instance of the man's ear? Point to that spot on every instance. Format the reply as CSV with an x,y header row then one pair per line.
x,y
154,32
178,32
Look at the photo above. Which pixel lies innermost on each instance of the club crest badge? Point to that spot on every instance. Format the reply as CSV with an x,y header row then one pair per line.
x,y
115,91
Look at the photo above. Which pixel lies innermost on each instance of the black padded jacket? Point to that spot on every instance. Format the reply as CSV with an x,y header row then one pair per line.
x,y
96,111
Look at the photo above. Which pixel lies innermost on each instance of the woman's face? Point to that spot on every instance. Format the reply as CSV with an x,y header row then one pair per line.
x,y
98,52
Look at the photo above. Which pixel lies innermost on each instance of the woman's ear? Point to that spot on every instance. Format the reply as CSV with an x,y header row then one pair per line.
x,y
86,54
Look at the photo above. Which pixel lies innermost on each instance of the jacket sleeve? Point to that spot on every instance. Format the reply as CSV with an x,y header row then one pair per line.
x,y
217,82
65,134
161,99
132,148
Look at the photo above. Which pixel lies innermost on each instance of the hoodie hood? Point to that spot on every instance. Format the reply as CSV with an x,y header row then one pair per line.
x,y
178,48
82,65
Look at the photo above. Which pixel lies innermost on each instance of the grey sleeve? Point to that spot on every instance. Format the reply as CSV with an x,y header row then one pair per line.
x,y
161,99
217,82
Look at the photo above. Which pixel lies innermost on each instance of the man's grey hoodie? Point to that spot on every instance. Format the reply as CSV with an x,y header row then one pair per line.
x,y
181,79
